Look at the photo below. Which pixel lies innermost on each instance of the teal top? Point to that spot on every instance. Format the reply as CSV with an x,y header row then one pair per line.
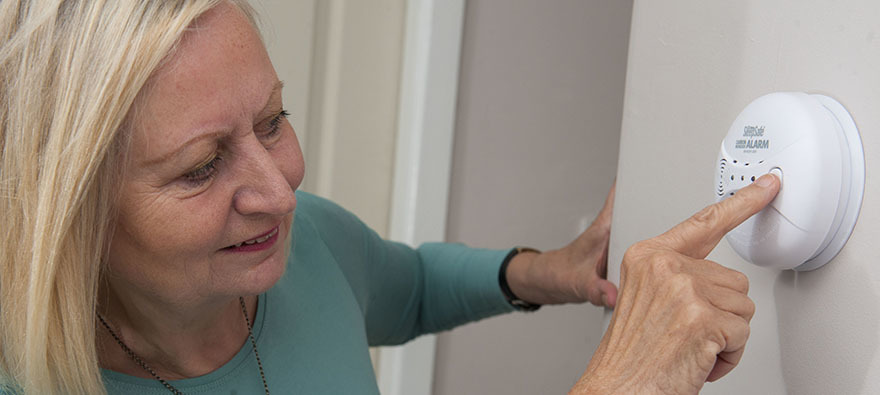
x,y
345,289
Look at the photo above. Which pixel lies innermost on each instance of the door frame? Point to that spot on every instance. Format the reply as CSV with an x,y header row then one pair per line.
x,y
423,163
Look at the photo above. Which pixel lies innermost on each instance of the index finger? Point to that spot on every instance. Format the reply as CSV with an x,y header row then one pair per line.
x,y
698,235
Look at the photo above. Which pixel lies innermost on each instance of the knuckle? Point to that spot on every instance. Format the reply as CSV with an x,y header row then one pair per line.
x,y
625,265
738,333
707,217
634,251
749,310
684,287
746,331
740,281
696,314
683,281
751,199
665,262
634,255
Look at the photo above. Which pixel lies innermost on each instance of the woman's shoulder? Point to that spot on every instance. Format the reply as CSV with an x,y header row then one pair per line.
x,y
324,215
311,205
318,217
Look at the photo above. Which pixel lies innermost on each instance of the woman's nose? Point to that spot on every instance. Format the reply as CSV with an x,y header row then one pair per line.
x,y
263,189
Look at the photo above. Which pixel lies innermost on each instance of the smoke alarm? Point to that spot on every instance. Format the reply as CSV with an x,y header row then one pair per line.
x,y
812,143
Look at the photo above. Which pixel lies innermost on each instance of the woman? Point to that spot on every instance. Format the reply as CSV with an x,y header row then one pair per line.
x,y
153,242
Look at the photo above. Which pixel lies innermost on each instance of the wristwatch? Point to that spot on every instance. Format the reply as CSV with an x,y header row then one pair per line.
x,y
514,301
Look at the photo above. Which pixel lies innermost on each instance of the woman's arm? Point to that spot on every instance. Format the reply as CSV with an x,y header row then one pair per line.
x,y
404,292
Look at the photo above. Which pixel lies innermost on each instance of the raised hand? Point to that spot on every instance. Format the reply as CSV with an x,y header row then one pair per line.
x,y
680,320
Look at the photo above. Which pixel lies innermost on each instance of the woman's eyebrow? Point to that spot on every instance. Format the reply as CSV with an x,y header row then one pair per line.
x,y
168,155
276,90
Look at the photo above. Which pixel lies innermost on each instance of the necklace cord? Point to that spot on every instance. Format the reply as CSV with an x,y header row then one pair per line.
x,y
254,343
138,360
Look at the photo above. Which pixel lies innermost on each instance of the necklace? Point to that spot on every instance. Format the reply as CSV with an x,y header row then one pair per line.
x,y
134,357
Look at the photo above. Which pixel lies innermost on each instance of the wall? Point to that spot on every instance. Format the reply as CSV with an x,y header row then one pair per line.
x,y
288,31
540,101
340,61
693,66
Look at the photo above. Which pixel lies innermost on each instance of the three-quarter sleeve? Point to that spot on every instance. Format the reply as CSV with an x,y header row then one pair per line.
x,y
405,292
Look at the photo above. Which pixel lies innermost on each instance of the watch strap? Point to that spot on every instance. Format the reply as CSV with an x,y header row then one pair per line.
x,y
514,301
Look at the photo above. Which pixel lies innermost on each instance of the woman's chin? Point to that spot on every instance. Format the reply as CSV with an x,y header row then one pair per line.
x,y
265,275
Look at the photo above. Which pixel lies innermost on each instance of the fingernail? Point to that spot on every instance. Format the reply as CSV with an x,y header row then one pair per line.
x,y
765,181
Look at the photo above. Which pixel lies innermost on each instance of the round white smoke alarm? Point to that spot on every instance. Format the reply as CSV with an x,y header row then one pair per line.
x,y
812,143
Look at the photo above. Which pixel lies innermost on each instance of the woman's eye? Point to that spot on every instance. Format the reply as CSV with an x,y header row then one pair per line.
x,y
204,173
274,124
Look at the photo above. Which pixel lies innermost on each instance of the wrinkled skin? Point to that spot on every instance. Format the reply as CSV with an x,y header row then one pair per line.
x,y
680,320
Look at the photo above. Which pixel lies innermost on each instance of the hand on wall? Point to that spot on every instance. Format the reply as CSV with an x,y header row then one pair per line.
x,y
575,273
681,320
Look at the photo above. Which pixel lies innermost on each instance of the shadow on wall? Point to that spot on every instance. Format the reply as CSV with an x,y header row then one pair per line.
x,y
820,314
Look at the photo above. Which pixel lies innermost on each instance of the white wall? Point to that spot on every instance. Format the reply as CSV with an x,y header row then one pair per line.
x,y
540,101
340,61
693,66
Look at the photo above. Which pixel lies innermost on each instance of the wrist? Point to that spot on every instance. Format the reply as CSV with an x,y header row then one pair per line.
x,y
600,383
513,278
602,379
538,278
604,382
611,370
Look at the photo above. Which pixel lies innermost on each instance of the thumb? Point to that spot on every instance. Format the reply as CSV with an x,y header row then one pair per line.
x,y
608,292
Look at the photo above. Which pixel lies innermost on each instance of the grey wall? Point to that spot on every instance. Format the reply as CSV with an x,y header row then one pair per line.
x,y
693,66
536,143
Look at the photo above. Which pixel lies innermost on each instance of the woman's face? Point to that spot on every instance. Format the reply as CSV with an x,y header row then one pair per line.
x,y
207,199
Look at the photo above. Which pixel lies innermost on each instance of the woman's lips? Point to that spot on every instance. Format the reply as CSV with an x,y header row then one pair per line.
x,y
256,244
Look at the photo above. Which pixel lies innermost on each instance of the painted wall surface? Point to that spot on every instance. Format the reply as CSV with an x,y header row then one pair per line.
x,y
693,66
540,101
340,63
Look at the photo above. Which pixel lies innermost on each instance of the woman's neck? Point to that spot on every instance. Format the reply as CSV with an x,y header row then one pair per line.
x,y
176,338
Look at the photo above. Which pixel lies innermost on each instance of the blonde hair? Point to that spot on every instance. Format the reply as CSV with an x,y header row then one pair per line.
x,y
69,73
